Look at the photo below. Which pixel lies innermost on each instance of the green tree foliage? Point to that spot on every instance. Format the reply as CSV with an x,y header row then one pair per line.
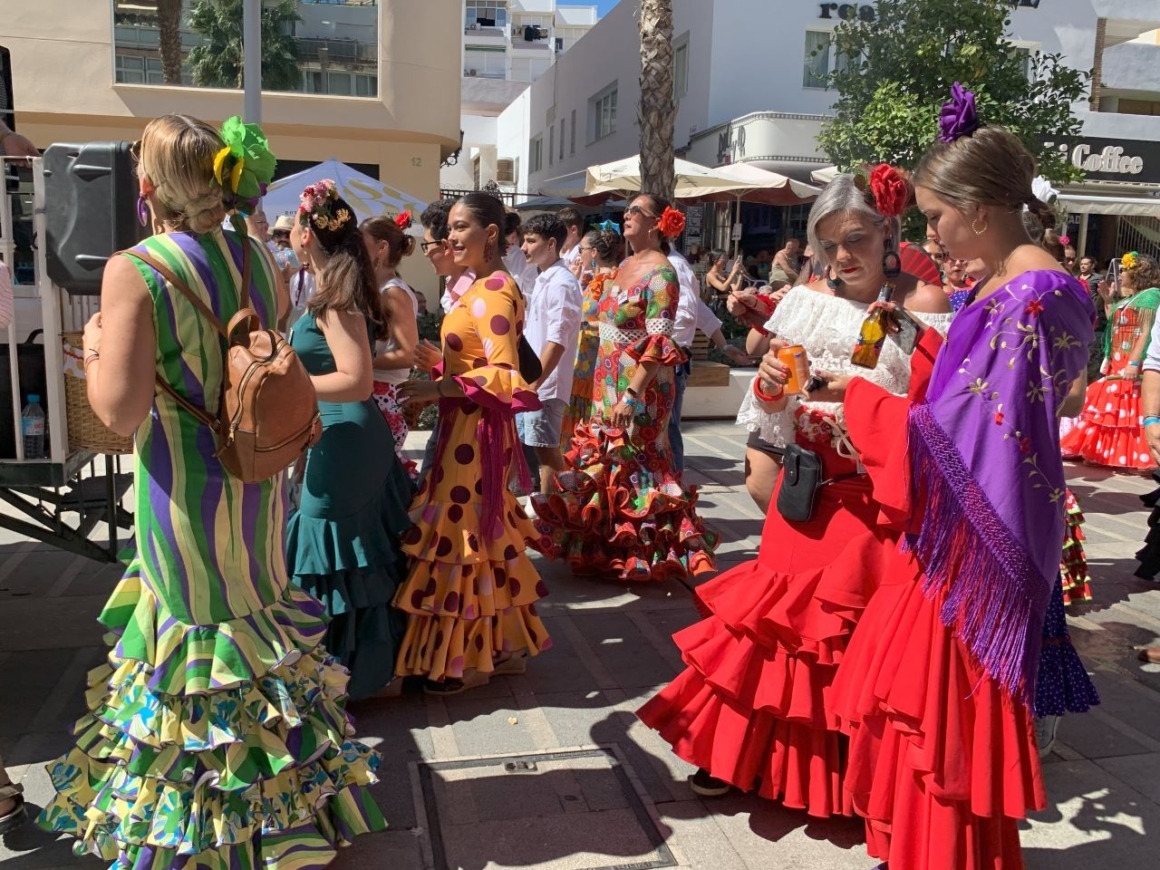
x,y
218,62
894,73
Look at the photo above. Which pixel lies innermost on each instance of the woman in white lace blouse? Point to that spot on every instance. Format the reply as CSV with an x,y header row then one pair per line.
x,y
748,710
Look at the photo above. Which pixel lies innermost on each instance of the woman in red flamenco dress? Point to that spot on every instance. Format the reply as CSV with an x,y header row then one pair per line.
x,y
936,686
749,709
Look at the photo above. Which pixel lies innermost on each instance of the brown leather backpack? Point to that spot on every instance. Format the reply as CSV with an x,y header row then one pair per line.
x,y
268,411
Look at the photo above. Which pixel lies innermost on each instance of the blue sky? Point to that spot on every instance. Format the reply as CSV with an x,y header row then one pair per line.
x,y
605,5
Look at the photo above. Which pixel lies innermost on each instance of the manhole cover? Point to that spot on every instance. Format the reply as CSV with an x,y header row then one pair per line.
x,y
571,809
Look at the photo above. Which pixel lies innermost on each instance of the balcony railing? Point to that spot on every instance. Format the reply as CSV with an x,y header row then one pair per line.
x,y
1132,66
349,52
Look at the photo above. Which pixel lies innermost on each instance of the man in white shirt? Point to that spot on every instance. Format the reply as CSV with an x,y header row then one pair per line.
x,y
552,327
514,259
574,224
692,313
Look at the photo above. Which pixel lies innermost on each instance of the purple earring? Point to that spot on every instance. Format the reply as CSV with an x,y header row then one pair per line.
x,y
142,210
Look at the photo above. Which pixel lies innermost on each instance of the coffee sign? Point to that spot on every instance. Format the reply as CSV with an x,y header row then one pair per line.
x,y
1131,160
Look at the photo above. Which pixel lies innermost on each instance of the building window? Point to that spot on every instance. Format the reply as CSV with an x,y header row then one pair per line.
x,y
573,141
139,70
484,62
817,61
681,67
505,171
475,179
366,86
551,144
1136,107
536,154
602,113
1026,52
561,138
486,13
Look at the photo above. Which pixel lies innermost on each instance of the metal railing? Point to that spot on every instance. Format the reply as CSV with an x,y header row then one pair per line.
x,y
1140,234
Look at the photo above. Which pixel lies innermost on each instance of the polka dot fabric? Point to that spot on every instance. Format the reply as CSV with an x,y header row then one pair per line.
x,y
1110,429
622,510
470,599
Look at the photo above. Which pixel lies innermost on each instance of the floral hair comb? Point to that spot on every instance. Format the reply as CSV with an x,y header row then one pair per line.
x,y
317,207
671,223
609,226
403,221
958,117
244,166
1130,260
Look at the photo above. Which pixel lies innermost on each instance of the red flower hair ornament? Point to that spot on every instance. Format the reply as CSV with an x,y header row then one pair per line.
x,y
890,190
671,223
403,221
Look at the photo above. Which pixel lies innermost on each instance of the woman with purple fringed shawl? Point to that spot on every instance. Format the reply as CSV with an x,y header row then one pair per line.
x,y
471,592
936,687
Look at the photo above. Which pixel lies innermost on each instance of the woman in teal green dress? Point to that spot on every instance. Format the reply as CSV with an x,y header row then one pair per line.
x,y
342,543
216,736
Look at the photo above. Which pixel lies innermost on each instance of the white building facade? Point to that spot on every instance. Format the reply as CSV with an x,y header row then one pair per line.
x,y
750,85
507,44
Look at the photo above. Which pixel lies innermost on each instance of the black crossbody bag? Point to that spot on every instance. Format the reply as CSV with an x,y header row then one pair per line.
x,y
802,477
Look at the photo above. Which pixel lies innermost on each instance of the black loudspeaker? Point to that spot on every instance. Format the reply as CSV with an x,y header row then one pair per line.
x,y
90,211
7,106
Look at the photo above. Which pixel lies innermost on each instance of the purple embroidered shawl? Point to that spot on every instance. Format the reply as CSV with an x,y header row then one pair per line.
x,y
988,478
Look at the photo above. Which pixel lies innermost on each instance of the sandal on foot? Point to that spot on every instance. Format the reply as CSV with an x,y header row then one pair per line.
x,y
453,686
18,815
517,663
1150,654
706,785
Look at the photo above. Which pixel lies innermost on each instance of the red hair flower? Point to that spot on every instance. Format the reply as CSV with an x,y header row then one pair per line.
x,y
404,221
890,190
671,223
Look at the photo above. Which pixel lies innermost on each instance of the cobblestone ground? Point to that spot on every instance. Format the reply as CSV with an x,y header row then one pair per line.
x,y
551,769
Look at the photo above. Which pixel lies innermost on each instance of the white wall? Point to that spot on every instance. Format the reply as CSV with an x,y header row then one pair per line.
x,y
512,133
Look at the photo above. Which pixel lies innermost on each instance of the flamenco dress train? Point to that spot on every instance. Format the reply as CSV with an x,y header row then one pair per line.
x,y
621,510
587,351
215,737
343,540
471,591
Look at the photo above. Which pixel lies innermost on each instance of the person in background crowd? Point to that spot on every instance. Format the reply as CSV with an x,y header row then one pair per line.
x,y
342,543
1088,274
552,327
213,647
812,266
574,224
722,282
935,251
258,227
761,265
301,283
12,144
515,260
471,593
1069,258
598,258
958,283
786,266
936,687
280,244
1110,429
387,243
622,511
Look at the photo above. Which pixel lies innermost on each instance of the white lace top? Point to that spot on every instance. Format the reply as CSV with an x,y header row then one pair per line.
x,y
827,327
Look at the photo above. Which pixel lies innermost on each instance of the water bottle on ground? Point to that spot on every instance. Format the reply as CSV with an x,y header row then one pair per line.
x,y
32,425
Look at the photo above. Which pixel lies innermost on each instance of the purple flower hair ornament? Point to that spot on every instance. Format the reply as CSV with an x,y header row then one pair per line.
x,y
957,117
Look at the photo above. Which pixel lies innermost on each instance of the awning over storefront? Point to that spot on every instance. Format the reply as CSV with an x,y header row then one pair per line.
x,y
1084,203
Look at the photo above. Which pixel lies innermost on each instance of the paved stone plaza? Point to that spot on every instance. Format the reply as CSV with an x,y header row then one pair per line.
x,y
552,770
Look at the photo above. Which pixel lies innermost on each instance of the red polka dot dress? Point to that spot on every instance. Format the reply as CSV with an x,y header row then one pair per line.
x,y
1109,430
471,590
622,510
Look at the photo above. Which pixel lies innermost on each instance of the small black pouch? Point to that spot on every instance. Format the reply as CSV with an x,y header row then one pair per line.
x,y
530,367
801,478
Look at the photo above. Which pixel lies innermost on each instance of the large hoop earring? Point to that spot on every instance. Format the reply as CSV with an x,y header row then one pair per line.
x,y
142,210
977,231
833,283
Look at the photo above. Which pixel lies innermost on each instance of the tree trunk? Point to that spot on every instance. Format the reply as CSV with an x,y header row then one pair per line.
x,y
656,111
169,22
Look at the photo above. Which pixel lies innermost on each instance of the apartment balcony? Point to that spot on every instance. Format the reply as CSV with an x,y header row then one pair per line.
x,y
342,52
1132,68
474,33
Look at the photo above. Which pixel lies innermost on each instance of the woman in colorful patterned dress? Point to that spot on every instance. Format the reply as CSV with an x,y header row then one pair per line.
x,y
216,735
937,684
621,510
597,256
387,243
748,709
343,540
471,593
1110,429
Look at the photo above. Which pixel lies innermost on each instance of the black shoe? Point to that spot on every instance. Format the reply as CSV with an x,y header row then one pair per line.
x,y
708,786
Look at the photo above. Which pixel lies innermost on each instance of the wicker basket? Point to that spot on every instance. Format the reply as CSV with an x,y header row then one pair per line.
x,y
85,430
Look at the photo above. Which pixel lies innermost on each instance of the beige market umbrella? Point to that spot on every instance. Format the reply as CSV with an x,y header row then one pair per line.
x,y
623,176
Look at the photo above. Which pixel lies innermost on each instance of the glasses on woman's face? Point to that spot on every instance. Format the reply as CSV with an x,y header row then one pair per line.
x,y
637,211
426,247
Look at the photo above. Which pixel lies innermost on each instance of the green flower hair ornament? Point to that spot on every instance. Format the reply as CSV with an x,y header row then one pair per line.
x,y
244,166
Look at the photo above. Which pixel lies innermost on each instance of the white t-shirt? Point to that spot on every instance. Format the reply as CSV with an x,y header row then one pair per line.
x,y
394,376
554,315
685,323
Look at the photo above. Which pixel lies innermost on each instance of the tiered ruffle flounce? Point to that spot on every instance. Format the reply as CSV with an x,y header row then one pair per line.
x,y
1110,429
353,564
751,707
622,513
214,747
1074,566
469,601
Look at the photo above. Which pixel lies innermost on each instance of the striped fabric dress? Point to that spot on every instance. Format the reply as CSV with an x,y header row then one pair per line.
x,y
216,736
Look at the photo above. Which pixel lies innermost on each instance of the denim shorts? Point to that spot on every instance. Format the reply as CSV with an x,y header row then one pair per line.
x,y
542,428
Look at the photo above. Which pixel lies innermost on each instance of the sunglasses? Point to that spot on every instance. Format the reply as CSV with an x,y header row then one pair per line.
x,y
427,246
636,210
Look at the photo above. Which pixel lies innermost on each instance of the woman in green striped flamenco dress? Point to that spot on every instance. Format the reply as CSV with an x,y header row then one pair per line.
x,y
216,737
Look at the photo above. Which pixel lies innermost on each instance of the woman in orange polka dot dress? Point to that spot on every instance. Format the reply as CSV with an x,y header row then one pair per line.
x,y
621,510
471,590
1110,428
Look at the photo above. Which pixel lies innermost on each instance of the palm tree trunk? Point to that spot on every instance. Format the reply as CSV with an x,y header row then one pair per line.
x,y
169,23
656,111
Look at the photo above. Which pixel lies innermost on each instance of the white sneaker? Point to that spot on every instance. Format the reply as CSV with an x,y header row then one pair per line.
x,y
1045,729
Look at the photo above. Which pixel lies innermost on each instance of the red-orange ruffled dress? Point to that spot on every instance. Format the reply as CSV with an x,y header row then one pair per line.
x,y
471,590
750,707
622,511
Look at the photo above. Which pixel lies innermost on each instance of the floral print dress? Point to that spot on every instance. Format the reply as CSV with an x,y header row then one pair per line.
x,y
622,510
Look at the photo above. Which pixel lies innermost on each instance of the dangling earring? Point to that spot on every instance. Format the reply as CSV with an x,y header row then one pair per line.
x,y
592,264
833,283
891,264
142,210
978,232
